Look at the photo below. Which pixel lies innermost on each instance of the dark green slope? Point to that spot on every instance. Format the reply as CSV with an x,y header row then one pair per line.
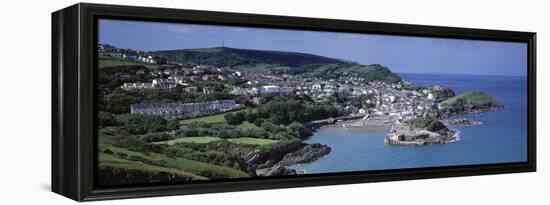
x,y
279,62
221,56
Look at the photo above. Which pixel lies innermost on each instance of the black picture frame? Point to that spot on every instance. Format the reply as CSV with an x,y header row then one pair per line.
x,y
74,57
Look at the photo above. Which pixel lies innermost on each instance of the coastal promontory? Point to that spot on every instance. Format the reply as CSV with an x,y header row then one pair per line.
x,y
470,102
420,131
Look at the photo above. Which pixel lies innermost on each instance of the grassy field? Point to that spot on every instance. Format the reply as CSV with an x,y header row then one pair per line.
x,y
117,163
118,62
218,118
252,141
199,140
121,158
180,166
203,140
246,124
193,166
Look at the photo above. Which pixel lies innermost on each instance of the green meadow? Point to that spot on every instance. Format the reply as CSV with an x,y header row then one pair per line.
x,y
109,62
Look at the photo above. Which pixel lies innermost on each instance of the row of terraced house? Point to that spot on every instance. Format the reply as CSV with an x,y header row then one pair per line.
x,y
184,110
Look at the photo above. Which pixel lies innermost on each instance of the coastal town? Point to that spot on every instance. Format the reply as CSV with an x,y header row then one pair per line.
x,y
375,105
230,113
391,99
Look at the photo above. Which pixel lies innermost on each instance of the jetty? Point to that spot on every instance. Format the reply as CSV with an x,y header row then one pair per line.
x,y
372,122
319,123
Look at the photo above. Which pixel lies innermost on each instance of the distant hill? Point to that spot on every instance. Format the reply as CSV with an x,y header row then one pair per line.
x,y
231,56
279,62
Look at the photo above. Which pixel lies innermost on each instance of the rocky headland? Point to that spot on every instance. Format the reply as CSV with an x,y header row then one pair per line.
x,y
432,127
471,102
416,133
276,160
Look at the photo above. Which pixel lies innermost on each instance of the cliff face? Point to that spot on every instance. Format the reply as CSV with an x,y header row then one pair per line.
x,y
437,127
306,154
265,157
275,160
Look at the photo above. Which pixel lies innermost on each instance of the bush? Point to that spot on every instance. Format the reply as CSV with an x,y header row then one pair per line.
x,y
299,130
420,122
270,127
141,124
231,119
241,116
106,119
277,119
187,132
234,118
286,111
136,145
258,122
156,137
118,101
251,116
172,125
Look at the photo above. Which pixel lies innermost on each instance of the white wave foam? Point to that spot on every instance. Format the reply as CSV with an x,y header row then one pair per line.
x,y
457,136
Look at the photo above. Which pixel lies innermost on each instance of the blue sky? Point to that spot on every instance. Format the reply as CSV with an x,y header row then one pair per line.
x,y
402,54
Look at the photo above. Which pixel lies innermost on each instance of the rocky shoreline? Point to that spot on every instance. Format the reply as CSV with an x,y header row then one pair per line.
x,y
307,154
470,109
275,161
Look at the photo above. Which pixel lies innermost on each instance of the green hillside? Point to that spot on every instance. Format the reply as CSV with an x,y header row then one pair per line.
x,y
221,56
279,62
110,62
114,157
473,98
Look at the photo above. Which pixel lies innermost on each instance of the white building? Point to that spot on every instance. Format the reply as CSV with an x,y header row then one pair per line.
x,y
164,83
137,86
129,57
240,91
276,90
430,96
178,79
146,59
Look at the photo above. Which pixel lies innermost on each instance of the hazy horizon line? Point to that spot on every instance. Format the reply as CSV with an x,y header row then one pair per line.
x,y
443,73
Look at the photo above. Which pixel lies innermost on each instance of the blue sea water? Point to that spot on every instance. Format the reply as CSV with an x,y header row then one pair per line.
x,y
501,138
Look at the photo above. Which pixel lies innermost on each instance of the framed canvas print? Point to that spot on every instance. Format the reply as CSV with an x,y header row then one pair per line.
x,y
154,102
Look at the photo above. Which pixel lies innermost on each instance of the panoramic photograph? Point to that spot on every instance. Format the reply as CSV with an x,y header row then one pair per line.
x,y
189,102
